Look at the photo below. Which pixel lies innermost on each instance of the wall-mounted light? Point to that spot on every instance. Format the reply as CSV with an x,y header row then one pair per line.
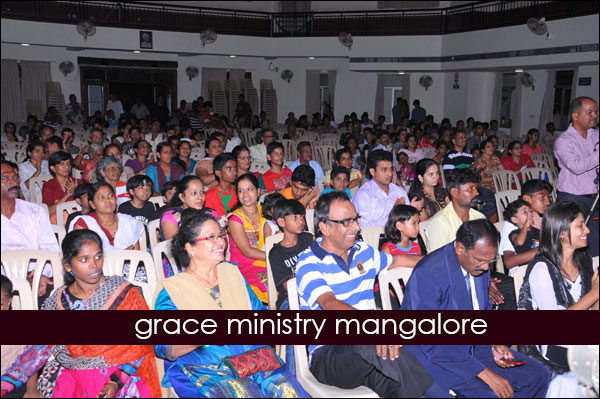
x,y
232,56
137,52
519,70
25,44
311,58
401,72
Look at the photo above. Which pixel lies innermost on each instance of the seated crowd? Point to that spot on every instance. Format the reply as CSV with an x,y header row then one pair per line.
x,y
428,189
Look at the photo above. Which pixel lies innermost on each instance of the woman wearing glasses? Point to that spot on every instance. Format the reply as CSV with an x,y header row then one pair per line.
x,y
208,283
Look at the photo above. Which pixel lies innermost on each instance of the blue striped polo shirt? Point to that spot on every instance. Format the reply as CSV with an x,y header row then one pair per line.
x,y
319,272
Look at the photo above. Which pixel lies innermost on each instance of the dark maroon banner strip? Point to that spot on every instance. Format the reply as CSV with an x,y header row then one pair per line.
x,y
304,327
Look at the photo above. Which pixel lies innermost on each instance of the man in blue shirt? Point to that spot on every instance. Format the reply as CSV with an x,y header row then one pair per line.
x,y
305,158
338,273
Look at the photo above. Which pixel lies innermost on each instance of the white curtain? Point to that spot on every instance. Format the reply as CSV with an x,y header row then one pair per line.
x,y
379,96
34,75
574,87
515,108
313,92
13,108
547,111
497,96
208,74
332,77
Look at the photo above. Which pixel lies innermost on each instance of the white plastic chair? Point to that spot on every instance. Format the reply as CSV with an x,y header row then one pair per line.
x,y
23,297
548,174
518,277
157,201
40,180
163,248
393,277
16,264
272,290
153,231
70,207
503,198
114,261
143,241
310,220
60,233
422,226
499,261
321,183
370,235
303,374
76,173
259,167
542,157
504,179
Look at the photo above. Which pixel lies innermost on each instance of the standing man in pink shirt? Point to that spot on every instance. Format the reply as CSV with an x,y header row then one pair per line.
x,y
577,153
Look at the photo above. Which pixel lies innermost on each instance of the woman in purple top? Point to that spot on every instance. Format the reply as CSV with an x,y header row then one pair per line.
x,y
142,157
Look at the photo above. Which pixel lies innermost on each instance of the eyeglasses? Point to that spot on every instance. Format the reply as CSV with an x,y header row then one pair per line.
x,y
213,238
346,222
491,263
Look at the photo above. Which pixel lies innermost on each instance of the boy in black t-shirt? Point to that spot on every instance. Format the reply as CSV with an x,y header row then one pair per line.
x,y
525,237
289,215
140,189
81,195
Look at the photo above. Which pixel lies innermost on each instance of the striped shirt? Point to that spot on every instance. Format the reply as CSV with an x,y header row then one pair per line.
x,y
457,160
320,272
578,161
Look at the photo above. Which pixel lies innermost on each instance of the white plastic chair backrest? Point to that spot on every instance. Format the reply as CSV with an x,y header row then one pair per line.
x,y
115,259
261,199
259,167
443,176
503,198
60,233
153,230
143,241
595,262
24,299
272,290
518,277
422,226
40,180
303,374
76,173
310,220
428,152
370,235
503,180
393,277
70,207
354,190
15,265
542,158
45,207
161,248
321,184
157,201
539,173
499,261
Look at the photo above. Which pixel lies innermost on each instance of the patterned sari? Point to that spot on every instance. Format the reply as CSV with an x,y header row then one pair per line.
x,y
82,370
254,271
20,362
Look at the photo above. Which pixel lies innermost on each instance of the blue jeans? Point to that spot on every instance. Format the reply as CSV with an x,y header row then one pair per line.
x,y
290,358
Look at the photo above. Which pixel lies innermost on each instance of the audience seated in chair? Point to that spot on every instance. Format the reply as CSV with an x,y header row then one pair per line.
x,y
339,181
61,187
426,184
302,187
304,151
343,157
278,177
35,165
222,197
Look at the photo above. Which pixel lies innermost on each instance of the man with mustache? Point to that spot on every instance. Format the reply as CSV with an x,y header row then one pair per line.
x,y
577,153
455,278
25,225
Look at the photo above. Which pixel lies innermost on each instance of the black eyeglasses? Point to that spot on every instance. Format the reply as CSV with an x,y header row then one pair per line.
x,y
346,222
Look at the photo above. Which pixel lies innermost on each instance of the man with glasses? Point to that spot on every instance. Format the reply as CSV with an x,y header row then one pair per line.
x,y
259,151
338,273
456,277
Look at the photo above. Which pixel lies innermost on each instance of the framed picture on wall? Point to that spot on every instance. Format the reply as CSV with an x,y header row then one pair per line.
x,y
145,39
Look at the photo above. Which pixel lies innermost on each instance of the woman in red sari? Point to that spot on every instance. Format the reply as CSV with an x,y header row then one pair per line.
x,y
516,160
96,370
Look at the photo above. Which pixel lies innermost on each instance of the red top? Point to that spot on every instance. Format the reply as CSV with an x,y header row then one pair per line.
x,y
396,249
277,181
88,166
216,200
524,162
52,191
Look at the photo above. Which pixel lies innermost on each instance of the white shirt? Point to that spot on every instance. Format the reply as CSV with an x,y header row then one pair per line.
x,y
542,291
474,300
374,205
28,228
26,171
116,107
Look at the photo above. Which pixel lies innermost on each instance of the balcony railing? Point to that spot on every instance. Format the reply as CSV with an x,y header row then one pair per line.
x,y
465,18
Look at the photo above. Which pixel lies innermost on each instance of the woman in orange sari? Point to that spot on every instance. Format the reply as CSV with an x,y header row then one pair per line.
x,y
96,370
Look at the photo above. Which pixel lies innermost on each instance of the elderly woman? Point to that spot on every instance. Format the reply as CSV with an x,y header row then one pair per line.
x,y
113,150
109,170
34,166
96,370
61,187
95,152
516,160
208,283
486,164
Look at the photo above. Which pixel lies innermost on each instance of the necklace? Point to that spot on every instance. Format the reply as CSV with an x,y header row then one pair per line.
x,y
204,280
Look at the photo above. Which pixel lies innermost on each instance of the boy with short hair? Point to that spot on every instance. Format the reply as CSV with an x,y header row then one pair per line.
x,y
382,140
289,215
81,195
278,177
302,187
340,180
525,239
140,189
222,197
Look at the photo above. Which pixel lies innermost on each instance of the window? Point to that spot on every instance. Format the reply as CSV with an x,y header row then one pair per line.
x,y
562,99
509,82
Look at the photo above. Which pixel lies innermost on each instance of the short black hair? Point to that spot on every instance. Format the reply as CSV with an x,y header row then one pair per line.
x,y
512,208
340,152
273,146
71,246
400,213
339,170
58,157
301,145
474,230
88,188
577,105
238,149
55,140
456,132
304,175
378,156
12,165
440,143
324,205
285,207
269,204
380,133
533,186
168,186
220,161
138,180
6,285
458,177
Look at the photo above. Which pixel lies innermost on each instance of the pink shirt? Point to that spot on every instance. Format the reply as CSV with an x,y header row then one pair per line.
x,y
578,159
527,150
28,228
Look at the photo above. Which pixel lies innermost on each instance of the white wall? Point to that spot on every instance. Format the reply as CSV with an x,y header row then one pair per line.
x,y
589,91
